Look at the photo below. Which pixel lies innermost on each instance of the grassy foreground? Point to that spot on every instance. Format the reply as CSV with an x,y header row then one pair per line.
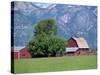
x,y
55,64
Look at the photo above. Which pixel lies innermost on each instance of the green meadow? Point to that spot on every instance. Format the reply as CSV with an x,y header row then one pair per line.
x,y
51,64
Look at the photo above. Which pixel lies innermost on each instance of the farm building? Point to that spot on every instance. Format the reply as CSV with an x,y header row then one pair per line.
x,y
77,46
20,52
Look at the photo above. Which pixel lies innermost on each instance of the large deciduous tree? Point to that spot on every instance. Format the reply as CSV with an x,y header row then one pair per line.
x,y
45,41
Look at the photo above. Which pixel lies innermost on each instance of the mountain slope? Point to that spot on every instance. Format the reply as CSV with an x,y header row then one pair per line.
x,y
72,20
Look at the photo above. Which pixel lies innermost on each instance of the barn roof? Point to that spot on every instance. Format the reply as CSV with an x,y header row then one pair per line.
x,y
71,49
81,42
17,48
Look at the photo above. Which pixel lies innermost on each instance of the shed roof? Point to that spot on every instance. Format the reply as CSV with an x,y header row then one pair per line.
x,y
17,48
71,49
81,42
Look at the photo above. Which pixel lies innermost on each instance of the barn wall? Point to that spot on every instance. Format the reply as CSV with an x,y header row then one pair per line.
x,y
14,55
24,53
82,51
71,43
78,52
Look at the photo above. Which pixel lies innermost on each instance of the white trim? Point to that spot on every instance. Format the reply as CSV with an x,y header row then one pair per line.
x,y
71,49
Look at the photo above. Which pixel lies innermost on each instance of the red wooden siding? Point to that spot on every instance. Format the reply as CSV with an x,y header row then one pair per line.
x,y
72,43
14,55
24,53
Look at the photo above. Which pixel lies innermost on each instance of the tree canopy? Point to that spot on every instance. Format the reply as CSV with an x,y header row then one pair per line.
x,y
47,27
45,41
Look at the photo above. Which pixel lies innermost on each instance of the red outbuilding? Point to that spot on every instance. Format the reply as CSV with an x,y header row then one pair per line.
x,y
24,53
20,52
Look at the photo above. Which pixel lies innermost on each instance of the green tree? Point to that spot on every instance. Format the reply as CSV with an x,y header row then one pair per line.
x,y
45,41
47,27
56,46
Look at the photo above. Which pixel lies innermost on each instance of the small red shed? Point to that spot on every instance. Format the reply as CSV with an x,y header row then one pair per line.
x,y
24,53
20,52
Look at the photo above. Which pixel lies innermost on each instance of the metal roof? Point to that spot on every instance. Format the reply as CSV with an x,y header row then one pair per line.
x,y
81,42
72,49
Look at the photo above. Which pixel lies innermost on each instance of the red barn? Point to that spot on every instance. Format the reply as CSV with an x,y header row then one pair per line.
x,y
77,45
20,52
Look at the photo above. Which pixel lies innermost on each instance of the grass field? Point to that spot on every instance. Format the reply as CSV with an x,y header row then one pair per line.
x,y
55,64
